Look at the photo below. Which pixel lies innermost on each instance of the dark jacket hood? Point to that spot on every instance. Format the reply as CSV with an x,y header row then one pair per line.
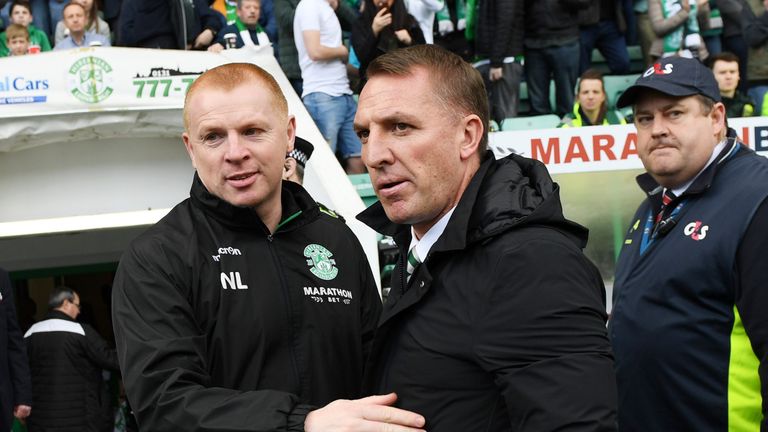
x,y
503,194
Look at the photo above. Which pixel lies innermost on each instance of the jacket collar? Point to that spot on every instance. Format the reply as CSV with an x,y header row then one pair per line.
x,y
294,199
57,314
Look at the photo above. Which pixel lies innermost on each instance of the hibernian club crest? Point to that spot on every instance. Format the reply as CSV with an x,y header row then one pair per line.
x,y
320,262
90,79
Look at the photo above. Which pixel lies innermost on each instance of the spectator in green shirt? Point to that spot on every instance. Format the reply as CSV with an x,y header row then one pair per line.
x,y
21,14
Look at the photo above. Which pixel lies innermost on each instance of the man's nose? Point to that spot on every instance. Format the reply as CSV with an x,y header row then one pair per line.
x,y
376,150
659,126
237,148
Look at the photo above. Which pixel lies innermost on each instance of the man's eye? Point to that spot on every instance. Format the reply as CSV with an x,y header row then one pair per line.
x,y
674,114
251,131
362,134
643,120
211,136
401,126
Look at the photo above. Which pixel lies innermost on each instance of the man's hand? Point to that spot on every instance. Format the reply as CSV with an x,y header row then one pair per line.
x,y
765,4
495,73
343,53
371,414
686,5
204,39
446,26
382,19
403,36
217,48
21,411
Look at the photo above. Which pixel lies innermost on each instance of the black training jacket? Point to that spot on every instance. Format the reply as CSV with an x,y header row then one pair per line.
x,y
502,327
222,326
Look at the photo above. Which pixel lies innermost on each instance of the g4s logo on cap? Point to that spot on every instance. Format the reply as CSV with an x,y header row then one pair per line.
x,y
657,70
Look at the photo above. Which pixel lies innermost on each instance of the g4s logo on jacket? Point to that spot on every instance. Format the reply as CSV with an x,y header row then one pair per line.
x,y
696,230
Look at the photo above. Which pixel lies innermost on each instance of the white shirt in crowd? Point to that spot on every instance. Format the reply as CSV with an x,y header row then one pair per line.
x,y
328,76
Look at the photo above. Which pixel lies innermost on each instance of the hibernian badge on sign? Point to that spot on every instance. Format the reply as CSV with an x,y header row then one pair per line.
x,y
320,262
90,79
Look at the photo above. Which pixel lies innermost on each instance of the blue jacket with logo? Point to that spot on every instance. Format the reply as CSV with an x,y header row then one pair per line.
x,y
689,326
222,326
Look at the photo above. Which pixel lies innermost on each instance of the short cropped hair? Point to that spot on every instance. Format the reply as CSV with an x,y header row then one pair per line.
x,y
20,3
231,75
59,295
240,3
16,31
457,85
71,3
725,56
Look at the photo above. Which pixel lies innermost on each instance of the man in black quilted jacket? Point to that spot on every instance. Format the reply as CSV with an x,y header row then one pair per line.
x,y
66,359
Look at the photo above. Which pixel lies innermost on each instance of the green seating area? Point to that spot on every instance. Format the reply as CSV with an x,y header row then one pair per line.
x,y
614,87
546,121
362,183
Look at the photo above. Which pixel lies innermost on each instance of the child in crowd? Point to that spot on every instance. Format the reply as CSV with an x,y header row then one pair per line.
x,y
21,14
18,40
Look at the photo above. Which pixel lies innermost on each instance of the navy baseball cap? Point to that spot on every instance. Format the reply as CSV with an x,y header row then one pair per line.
x,y
674,76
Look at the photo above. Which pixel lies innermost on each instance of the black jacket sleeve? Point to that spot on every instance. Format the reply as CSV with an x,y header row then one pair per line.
x,y
551,359
509,25
18,366
208,17
162,355
751,295
754,28
284,13
364,43
98,350
125,34
347,15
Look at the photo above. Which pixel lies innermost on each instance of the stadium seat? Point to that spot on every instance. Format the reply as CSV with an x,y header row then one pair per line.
x,y
525,103
547,121
636,63
615,86
362,183
525,99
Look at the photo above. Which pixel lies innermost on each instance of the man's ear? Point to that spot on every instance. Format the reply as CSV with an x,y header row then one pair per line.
x,y
289,168
718,119
188,145
291,130
473,130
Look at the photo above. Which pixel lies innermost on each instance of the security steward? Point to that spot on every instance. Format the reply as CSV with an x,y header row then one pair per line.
x,y
689,328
